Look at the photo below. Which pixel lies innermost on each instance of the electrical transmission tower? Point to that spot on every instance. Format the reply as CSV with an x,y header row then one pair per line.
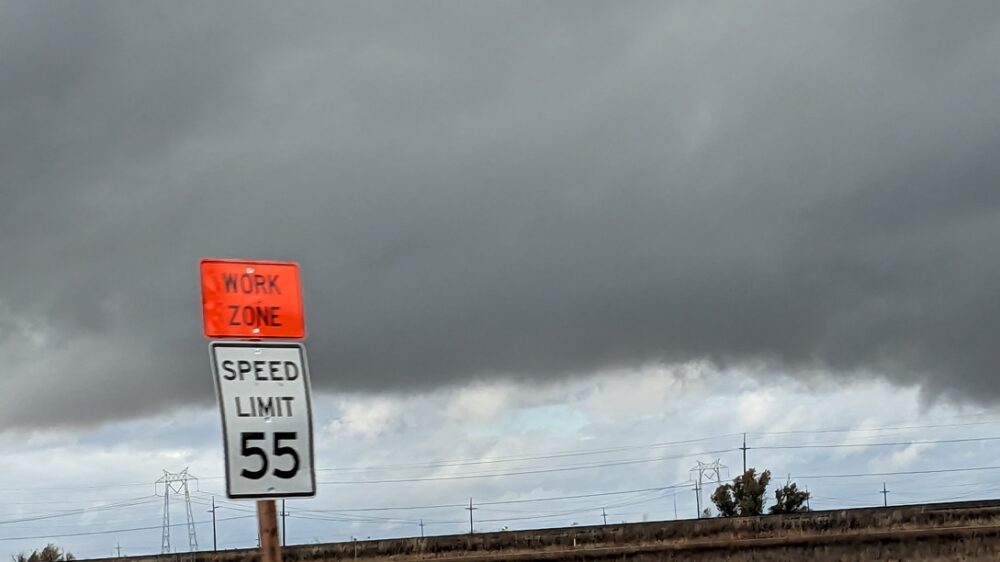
x,y
714,472
177,483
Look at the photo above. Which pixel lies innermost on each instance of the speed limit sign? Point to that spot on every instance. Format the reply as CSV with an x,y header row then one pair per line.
x,y
263,390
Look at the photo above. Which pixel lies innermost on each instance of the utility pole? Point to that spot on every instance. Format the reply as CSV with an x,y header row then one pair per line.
x,y
604,514
283,514
215,542
165,532
885,496
697,498
471,509
119,547
744,449
675,506
421,528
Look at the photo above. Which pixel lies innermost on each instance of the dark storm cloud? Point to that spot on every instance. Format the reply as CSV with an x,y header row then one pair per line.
x,y
498,189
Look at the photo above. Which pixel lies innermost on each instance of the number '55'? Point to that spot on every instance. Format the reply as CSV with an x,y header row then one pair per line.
x,y
247,450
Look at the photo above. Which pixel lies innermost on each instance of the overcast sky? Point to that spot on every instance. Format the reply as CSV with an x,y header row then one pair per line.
x,y
523,194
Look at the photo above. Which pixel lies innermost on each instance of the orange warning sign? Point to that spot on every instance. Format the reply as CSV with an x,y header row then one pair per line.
x,y
251,299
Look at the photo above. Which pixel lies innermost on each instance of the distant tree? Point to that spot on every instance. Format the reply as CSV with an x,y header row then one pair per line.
x,y
724,501
744,496
50,553
790,499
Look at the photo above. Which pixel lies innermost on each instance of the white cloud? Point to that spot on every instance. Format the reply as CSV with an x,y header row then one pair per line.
x,y
479,402
533,438
366,419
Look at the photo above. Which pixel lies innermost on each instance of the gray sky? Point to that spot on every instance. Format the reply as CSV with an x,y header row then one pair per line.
x,y
507,190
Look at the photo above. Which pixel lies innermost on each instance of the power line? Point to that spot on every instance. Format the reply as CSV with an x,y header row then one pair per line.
x,y
333,516
575,511
59,488
883,428
341,515
109,531
898,473
620,503
557,454
135,502
658,489
314,514
524,472
879,444
520,458
84,500
430,464
499,502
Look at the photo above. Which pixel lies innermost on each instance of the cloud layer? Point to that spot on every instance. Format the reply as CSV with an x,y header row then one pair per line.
x,y
614,441
499,190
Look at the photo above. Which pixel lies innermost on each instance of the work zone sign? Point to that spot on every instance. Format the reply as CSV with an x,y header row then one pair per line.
x,y
263,391
251,300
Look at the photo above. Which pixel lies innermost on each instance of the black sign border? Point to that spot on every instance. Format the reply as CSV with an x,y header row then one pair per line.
x,y
212,346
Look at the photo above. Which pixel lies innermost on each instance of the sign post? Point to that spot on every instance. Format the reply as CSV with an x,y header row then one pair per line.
x,y
263,387
267,526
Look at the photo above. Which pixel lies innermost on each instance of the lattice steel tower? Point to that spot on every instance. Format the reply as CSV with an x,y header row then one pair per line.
x,y
710,469
177,483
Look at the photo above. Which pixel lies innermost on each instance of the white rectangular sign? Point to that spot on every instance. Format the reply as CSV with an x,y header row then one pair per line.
x,y
263,390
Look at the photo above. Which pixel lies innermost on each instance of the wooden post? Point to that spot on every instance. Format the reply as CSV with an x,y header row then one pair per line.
x,y
267,523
